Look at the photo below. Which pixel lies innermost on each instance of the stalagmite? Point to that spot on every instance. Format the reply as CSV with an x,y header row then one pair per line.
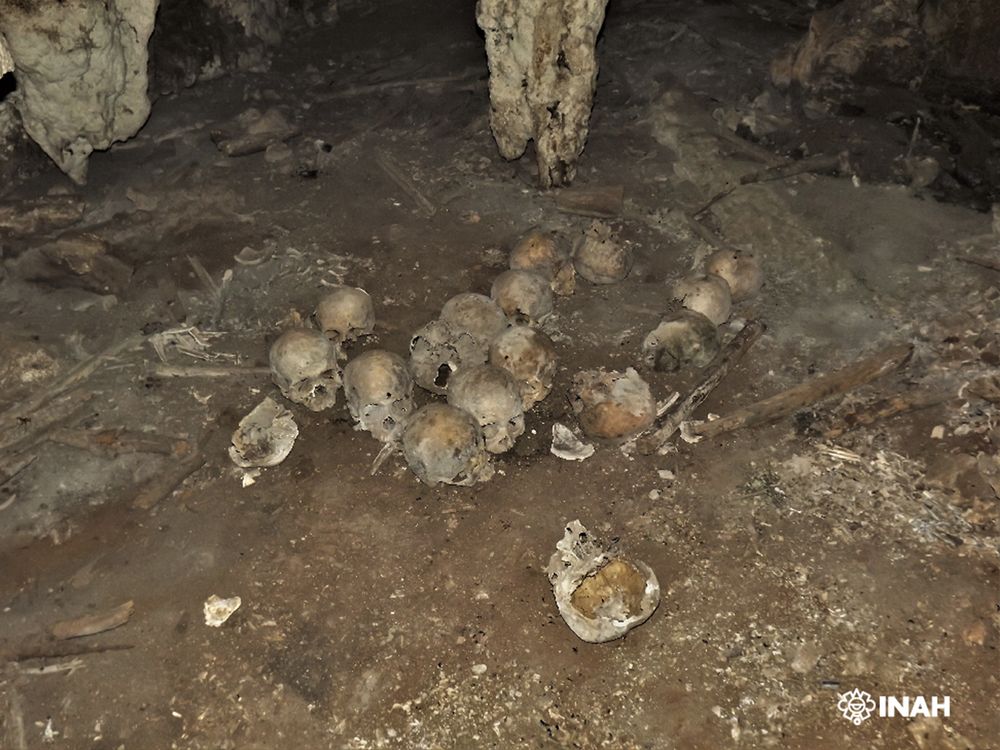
x,y
543,73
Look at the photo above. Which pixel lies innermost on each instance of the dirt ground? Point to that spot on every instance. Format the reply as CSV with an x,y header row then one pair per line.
x,y
381,613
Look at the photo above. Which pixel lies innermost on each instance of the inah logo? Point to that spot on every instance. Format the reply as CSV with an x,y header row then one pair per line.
x,y
856,705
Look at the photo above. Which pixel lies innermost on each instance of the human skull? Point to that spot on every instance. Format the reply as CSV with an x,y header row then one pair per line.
x,y
443,443
599,257
379,392
685,337
524,296
708,295
439,349
543,253
740,270
493,398
304,367
475,313
530,357
345,313
612,404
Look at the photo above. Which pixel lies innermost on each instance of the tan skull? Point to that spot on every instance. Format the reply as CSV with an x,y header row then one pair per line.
x,y
304,367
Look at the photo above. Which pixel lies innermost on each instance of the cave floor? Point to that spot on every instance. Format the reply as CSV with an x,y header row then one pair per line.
x,y
377,612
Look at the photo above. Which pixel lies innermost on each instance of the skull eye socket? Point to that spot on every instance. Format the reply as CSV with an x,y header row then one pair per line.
x,y
443,374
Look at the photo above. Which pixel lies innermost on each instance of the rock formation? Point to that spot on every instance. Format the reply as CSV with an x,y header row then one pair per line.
x,y
543,72
81,73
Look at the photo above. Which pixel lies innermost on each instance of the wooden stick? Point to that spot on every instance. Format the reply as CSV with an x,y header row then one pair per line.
x,y
719,367
78,374
396,174
885,409
793,399
48,650
160,487
218,371
471,77
115,442
86,625
598,202
24,435
993,265
814,164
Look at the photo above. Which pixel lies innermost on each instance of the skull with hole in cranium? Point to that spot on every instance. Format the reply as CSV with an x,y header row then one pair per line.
x,y
493,397
345,314
304,367
443,443
438,349
379,392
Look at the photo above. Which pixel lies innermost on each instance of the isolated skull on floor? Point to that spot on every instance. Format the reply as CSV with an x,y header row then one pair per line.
x,y
345,314
475,313
379,392
304,367
493,397
442,443
439,349
524,296
530,357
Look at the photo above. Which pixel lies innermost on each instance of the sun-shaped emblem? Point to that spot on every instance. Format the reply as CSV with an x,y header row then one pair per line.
x,y
856,705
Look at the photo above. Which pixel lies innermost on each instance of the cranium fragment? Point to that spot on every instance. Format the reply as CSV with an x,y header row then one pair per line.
x,y
345,314
612,404
686,337
439,349
542,252
304,367
600,594
493,398
740,270
524,296
475,313
599,257
264,437
708,295
443,443
529,356
379,392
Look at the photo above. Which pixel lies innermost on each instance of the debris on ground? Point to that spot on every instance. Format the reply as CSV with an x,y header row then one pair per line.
x,y
567,445
218,610
264,437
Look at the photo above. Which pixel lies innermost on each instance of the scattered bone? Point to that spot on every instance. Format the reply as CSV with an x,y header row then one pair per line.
x,y
36,216
740,270
379,392
218,610
345,314
304,367
567,446
612,404
676,415
78,259
542,252
442,443
93,624
530,357
708,295
600,594
205,371
598,202
253,131
524,296
492,396
600,257
264,437
687,337
438,350
475,313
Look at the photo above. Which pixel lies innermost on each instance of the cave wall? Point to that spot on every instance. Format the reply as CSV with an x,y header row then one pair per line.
x,y
943,45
